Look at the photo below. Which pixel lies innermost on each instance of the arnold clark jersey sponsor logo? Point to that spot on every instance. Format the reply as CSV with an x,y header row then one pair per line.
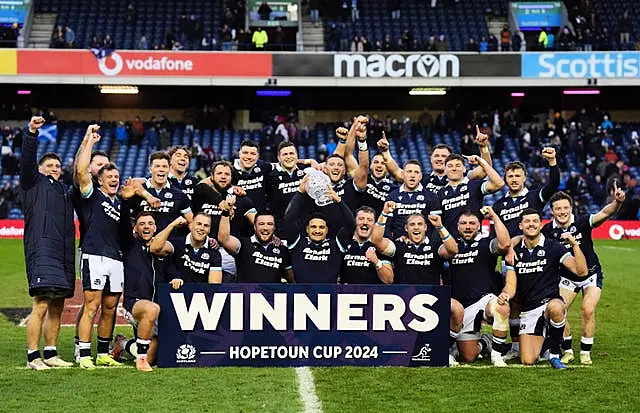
x,y
396,65
113,64
581,65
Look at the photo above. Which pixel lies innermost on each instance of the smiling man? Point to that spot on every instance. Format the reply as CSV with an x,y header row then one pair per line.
x,y
101,267
179,176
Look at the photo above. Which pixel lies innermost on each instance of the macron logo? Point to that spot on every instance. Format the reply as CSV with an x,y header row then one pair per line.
x,y
113,64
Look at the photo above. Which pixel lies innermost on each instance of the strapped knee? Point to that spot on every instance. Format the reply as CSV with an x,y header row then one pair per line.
x,y
500,322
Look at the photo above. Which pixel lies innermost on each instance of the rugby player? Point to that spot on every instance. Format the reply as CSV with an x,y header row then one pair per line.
x,y
258,259
419,260
537,261
474,285
315,256
101,268
410,198
179,176
194,259
49,237
461,193
580,227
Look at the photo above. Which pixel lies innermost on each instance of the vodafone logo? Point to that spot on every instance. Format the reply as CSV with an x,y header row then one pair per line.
x,y
616,232
11,232
113,64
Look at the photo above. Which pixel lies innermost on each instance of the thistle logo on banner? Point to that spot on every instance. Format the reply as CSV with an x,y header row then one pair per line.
x,y
581,65
396,65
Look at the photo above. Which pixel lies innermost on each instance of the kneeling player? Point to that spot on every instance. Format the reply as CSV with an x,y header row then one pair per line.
x,y
419,261
536,280
473,283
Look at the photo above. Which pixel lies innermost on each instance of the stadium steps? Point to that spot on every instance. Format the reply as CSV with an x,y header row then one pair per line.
x,y
41,30
312,35
495,24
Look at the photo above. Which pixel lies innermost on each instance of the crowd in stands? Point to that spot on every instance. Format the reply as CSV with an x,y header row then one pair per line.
x,y
593,150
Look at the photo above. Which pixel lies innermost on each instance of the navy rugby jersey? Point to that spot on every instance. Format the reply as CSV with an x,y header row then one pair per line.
x,y
261,263
76,201
207,200
580,227
355,269
347,190
281,187
193,265
538,272
417,263
433,182
186,185
253,181
419,201
469,193
509,208
173,204
472,270
101,216
376,193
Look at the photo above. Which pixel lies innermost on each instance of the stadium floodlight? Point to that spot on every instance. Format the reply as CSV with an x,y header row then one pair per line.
x,y
271,93
581,92
24,92
119,89
517,94
427,91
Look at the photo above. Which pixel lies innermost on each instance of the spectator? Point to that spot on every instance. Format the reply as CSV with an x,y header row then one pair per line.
x,y
587,40
606,123
425,121
10,164
394,5
226,38
69,37
611,156
345,35
551,40
565,40
366,44
138,129
442,45
505,39
264,11
355,13
95,43
108,44
603,39
356,44
259,39
493,43
142,43
543,40
131,14
516,41
626,26
8,193
484,45
121,133
195,29
4,208
472,46
244,40
58,39
314,5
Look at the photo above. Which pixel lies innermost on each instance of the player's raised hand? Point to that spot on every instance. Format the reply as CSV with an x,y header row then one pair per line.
x,y
371,256
303,184
548,153
383,144
128,189
230,202
179,222
361,131
618,193
239,191
333,194
35,123
487,210
341,133
567,236
176,283
473,159
482,139
388,207
435,220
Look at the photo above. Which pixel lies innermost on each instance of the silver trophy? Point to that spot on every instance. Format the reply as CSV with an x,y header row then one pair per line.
x,y
318,187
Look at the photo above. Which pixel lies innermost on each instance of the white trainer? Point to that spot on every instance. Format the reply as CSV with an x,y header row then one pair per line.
x,y
37,364
57,362
453,362
497,360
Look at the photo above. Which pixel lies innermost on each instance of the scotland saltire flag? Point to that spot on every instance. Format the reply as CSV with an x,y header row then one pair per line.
x,y
48,133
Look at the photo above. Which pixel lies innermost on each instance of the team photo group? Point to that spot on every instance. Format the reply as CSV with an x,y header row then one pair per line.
x,y
357,218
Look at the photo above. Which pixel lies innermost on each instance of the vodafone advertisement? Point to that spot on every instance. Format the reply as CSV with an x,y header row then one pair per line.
x,y
144,63
615,230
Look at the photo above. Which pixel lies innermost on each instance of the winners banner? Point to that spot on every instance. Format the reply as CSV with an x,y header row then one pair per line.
x,y
280,325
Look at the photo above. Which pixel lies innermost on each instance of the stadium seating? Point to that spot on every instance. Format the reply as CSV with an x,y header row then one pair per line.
x,y
610,11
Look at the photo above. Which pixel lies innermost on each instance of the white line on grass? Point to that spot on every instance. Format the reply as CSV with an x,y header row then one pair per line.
x,y
613,247
307,390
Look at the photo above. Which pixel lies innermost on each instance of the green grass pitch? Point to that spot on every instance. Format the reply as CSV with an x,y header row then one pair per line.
x,y
611,384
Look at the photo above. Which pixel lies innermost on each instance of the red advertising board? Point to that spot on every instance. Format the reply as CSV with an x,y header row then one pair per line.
x,y
144,63
613,230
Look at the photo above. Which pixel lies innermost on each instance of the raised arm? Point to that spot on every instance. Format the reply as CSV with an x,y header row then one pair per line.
x,y
29,158
383,268
382,244
344,148
383,146
503,240
83,159
230,243
575,263
160,244
554,175
610,209
361,173
482,139
495,181
449,247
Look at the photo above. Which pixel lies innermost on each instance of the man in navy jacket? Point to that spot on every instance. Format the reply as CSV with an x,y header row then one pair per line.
x,y
49,249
